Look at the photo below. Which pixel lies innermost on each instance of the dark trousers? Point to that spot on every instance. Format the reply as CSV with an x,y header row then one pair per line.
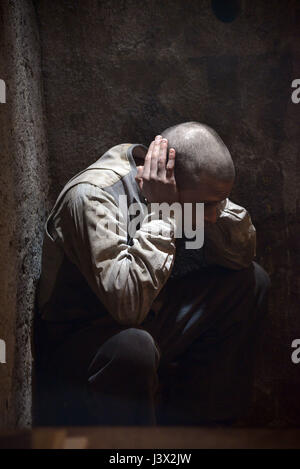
x,y
190,364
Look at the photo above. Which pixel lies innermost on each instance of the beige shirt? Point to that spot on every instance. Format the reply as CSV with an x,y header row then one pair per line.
x,y
126,278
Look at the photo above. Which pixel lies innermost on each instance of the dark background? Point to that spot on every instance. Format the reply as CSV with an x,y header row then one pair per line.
x,y
116,71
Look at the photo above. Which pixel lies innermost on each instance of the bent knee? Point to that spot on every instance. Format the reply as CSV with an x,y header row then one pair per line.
x,y
135,348
254,282
262,278
130,352
254,276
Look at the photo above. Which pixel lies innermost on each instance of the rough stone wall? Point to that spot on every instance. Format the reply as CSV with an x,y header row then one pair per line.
x,y
121,71
23,195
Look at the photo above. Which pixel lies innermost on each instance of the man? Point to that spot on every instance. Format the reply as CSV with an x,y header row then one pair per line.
x,y
135,328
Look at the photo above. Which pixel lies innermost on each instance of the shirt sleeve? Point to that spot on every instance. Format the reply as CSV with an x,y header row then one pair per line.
x,y
231,241
126,278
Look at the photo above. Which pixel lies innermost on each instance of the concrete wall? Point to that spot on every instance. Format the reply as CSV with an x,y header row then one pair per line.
x,y
121,71
23,193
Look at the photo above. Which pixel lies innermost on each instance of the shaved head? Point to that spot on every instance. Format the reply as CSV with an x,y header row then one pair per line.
x,y
200,155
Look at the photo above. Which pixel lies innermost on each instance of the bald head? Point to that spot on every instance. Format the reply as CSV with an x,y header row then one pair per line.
x,y
200,154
